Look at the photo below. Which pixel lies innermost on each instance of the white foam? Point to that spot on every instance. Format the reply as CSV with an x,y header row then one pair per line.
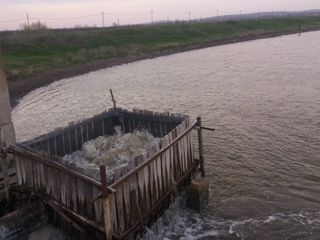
x,y
112,151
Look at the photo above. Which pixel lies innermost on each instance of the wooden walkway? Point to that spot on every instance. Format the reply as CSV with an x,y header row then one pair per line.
x,y
117,206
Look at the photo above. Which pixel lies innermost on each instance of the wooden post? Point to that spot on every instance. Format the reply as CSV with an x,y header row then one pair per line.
x,y
113,100
5,171
200,143
106,203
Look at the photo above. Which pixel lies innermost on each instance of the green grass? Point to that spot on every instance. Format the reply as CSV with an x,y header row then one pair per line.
x,y
28,54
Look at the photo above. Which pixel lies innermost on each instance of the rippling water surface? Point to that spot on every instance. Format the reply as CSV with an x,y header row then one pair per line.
x,y
263,98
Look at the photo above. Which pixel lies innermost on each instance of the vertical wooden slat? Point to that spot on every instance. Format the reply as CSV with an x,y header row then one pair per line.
x,y
29,175
159,173
119,202
106,204
126,194
151,182
155,178
88,195
74,194
113,204
43,177
146,185
76,139
98,207
142,198
62,188
18,169
81,134
164,166
80,197
133,194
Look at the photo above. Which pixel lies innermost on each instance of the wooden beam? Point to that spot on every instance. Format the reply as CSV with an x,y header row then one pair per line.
x,y
200,142
106,203
35,157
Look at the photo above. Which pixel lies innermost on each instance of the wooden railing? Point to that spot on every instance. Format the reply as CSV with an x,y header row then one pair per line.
x,y
67,140
130,199
67,190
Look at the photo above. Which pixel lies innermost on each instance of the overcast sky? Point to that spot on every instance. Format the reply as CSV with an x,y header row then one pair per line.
x,y
132,11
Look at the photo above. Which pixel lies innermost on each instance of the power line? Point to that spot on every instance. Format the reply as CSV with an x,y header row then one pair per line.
x,y
67,18
167,13
127,14
13,20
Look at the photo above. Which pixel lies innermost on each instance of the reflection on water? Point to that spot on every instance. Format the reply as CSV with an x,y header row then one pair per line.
x,y
262,97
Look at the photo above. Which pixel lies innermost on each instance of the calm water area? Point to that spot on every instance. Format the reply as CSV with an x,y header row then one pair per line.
x,y
263,160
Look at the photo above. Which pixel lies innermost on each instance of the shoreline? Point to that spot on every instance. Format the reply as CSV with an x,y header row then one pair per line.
x,y
19,88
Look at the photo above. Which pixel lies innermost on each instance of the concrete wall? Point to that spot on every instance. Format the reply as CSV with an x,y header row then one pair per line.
x,y
7,134
7,137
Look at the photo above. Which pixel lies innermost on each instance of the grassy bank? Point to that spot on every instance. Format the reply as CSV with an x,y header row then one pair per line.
x,y
35,58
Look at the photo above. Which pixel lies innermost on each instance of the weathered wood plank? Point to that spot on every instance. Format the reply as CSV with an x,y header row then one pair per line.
x,y
88,195
133,185
159,173
18,170
120,202
126,197
80,197
146,185
74,194
98,208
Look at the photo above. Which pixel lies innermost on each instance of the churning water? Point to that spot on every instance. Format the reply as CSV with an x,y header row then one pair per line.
x,y
263,98
111,151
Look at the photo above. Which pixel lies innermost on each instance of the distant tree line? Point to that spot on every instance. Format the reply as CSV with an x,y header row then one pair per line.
x,y
33,26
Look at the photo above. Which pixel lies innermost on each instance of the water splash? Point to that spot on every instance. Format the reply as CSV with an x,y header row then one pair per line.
x,y
112,151
178,222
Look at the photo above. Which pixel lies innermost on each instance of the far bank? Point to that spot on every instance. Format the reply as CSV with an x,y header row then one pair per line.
x,y
34,59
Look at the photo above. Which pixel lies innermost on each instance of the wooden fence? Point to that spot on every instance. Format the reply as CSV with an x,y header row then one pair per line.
x,y
134,195
65,190
141,189
67,140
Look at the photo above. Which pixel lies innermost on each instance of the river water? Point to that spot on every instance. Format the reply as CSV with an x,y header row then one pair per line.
x,y
263,98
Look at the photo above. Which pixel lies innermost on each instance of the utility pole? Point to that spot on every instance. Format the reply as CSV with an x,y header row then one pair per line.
x,y
217,13
118,22
102,15
189,16
152,17
28,21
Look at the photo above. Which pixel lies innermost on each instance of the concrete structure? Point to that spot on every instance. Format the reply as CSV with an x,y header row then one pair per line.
x,y
7,135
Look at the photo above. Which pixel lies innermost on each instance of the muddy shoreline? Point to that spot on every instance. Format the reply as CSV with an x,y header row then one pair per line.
x,y
19,88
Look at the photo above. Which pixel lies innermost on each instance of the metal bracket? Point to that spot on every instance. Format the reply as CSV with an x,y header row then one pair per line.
x,y
205,128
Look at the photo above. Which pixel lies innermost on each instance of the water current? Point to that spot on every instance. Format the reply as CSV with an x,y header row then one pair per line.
x,y
263,161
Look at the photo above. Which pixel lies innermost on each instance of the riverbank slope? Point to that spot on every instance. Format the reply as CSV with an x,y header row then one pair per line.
x,y
36,58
